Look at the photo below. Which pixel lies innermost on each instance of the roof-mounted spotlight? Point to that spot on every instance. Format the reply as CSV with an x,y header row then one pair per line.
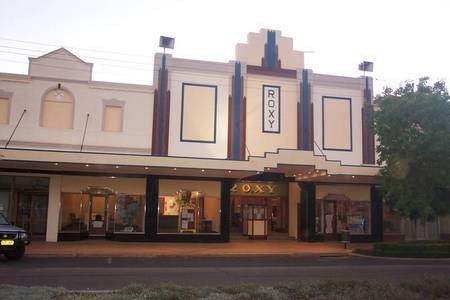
x,y
166,42
366,66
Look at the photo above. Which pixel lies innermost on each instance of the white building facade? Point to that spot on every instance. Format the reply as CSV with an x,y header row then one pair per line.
x,y
259,147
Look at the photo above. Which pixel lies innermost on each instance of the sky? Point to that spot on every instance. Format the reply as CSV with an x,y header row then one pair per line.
x,y
406,40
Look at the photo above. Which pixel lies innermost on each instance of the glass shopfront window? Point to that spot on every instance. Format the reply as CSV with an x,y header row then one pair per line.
x,y
73,212
189,207
334,216
100,212
24,201
129,214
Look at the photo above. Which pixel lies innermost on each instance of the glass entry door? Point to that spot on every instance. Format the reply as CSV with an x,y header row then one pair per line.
x,y
98,215
32,212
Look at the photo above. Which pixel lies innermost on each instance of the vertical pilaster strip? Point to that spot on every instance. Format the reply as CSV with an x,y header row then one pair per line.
x,y
155,129
161,113
367,125
305,115
236,118
271,53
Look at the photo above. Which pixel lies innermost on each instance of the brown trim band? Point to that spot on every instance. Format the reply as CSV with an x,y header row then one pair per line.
x,y
257,70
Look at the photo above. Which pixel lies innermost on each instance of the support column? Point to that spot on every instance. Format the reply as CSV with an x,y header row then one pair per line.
x,y
54,204
376,201
307,211
294,201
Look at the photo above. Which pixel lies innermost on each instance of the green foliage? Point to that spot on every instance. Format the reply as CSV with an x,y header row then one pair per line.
x,y
413,128
425,249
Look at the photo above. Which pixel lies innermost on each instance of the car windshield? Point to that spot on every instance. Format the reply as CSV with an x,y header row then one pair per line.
x,y
3,220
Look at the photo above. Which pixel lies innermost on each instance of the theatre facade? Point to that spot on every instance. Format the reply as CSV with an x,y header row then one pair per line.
x,y
256,148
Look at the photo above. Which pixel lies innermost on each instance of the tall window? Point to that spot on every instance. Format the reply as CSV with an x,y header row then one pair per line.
x,y
112,118
57,109
4,110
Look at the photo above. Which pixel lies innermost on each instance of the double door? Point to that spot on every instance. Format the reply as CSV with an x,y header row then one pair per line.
x,y
32,212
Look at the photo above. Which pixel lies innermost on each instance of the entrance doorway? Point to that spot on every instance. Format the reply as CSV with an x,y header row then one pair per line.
x,y
269,213
100,210
32,212
97,215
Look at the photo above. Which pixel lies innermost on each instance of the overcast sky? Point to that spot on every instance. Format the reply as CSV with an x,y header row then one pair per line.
x,y
405,39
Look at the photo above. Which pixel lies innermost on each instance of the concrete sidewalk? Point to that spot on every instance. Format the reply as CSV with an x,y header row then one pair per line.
x,y
104,248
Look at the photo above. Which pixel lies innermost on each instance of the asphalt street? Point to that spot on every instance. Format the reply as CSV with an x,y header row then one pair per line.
x,y
83,273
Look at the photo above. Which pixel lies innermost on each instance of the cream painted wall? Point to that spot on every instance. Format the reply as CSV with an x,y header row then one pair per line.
x,y
337,132
252,52
196,149
54,203
353,157
259,142
353,191
294,200
137,125
74,184
199,113
60,64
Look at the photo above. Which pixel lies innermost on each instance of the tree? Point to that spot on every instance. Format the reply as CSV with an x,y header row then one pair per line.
x,y
413,128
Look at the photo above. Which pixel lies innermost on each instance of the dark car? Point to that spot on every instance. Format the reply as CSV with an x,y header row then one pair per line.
x,y
13,239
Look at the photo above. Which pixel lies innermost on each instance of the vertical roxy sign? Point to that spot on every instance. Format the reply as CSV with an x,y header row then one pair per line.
x,y
271,108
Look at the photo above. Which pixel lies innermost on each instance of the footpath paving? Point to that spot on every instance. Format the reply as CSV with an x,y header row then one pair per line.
x,y
104,248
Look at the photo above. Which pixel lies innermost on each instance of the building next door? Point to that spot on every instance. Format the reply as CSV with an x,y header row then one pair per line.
x,y
32,212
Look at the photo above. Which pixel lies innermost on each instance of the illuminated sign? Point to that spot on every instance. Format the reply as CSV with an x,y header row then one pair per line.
x,y
259,188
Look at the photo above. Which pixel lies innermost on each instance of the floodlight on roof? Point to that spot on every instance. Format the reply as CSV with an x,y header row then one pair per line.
x,y
166,42
366,66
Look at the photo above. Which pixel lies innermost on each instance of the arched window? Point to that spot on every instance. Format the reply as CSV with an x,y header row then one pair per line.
x,y
57,109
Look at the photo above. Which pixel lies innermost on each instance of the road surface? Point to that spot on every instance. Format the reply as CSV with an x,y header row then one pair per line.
x,y
89,273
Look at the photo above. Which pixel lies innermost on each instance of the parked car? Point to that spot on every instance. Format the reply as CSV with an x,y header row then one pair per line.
x,y
13,239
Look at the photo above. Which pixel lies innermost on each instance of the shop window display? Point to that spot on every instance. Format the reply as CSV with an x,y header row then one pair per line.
x,y
188,209
129,214
73,212
118,213
334,216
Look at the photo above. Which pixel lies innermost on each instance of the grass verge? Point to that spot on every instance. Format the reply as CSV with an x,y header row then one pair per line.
x,y
424,289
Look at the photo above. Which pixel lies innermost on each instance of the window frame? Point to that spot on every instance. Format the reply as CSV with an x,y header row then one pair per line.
x,y
115,103
8,96
44,96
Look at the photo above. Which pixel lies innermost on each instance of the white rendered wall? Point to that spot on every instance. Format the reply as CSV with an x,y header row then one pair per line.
x,y
137,116
353,157
198,149
259,142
